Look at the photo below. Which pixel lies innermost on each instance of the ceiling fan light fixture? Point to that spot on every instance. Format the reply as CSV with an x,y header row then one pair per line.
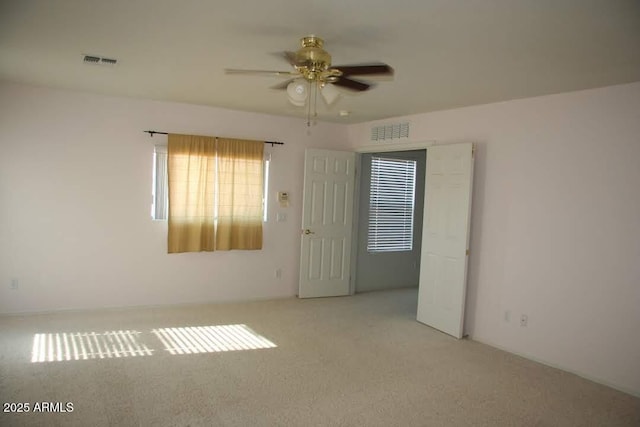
x,y
330,93
298,92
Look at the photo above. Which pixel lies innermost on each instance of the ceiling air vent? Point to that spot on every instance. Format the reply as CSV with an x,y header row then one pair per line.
x,y
108,61
390,132
98,60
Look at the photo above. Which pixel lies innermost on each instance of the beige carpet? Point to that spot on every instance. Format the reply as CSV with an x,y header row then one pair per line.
x,y
351,361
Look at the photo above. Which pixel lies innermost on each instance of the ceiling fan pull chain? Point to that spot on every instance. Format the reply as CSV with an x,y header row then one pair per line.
x,y
309,106
315,101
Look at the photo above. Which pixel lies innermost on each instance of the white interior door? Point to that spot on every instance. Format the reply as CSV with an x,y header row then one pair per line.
x,y
327,218
443,268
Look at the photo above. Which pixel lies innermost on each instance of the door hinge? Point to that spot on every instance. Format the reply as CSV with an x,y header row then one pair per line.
x,y
467,252
473,150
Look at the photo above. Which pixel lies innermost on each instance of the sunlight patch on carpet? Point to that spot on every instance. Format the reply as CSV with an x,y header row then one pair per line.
x,y
67,346
211,339
58,347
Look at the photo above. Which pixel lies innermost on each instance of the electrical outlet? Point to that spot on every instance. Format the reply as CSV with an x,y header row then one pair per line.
x,y
524,319
507,316
15,284
278,273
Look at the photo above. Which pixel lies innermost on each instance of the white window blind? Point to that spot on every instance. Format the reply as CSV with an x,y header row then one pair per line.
x,y
391,205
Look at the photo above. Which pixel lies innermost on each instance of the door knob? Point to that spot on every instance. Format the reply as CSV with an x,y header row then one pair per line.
x,y
307,231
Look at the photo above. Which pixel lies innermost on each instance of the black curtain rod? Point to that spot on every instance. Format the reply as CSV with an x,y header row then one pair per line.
x,y
153,132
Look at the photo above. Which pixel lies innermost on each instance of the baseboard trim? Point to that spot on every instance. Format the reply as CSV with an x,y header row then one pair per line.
x,y
143,307
635,393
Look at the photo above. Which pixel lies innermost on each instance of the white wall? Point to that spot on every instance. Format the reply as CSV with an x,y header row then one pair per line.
x,y
555,229
555,226
75,192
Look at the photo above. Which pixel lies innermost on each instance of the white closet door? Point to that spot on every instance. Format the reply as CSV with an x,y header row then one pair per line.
x,y
327,218
447,214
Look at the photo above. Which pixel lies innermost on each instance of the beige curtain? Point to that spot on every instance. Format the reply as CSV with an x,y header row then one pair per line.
x,y
240,191
191,167
215,193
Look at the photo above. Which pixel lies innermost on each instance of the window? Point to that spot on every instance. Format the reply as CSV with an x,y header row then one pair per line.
x,y
215,192
160,192
391,205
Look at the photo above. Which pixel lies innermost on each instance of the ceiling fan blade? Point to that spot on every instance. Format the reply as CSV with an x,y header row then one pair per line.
x,y
352,84
260,72
291,57
365,69
283,85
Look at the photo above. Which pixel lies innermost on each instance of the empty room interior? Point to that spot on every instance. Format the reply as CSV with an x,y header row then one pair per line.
x,y
302,213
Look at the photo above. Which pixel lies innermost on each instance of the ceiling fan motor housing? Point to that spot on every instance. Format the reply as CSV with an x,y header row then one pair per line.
x,y
313,59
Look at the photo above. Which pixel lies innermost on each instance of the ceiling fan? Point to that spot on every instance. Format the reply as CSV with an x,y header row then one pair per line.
x,y
313,72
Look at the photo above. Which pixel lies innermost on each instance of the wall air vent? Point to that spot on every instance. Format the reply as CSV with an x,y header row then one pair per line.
x,y
98,60
390,132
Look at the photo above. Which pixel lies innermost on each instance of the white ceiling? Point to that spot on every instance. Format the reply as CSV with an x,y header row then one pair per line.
x,y
446,53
